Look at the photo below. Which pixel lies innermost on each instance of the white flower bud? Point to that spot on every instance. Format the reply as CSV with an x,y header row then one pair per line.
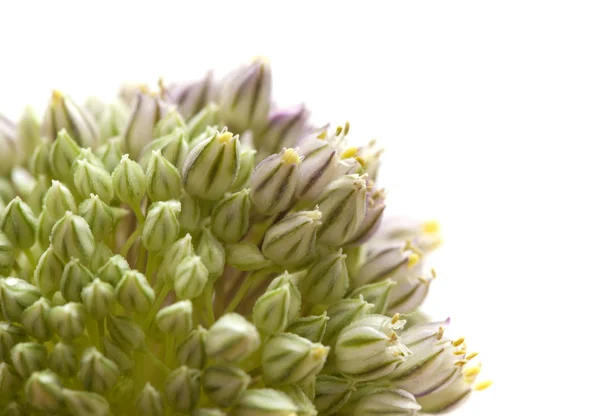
x,y
147,111
211,251
19,224
192,350
16,295
59,200
245,256
10,335
310,327
175,319
74,278
258,402
162,178
72,237
231,339
376,294
278,306
231,217
190,278
113,270
331,393
173,147
7,254
327,279
224,384
63,153
98,298
68,320
101,217
63,113
174,255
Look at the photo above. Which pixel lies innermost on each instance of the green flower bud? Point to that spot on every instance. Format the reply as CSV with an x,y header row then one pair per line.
x,y
190,278
264,402
212,165
114,270
209,116
87,155
68,320
192,350
72,237
8,144
274,180
129,181
134,292
278,306
331,393
376,294
370,348
231,217
246,96
327,279
224,384
63,153
22,181
373,217
7,254
98,298
211,251
242,180
171,121
28,131
175,319
10,383
58,299
231,339
74,278
301,400
97,373
44,229
191,215
150,402
246,256
343,204
28,357
35,198
90,179
10,335
121,395
341,314
59,200
289,359
173,147
310,327
63,360
384,401
39,162
182,389
125,332
112,120
110,154
35,320
284,129
292,241
163,179
63,113
16,295
175,255
161,228
147,111
18,223
44,392
101,217
193,96
115,353
82,403
6,190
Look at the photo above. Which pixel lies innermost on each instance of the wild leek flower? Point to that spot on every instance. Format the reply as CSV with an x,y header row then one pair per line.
x,y
199,251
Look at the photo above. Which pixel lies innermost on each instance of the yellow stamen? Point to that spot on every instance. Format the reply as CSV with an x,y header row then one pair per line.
x,y
472,355
458,341
319,353
430,227
459,352
440,333
346,128
482,385
338,130
395,318
225,137
433,273
460,363
360,161
393,336
413,258
471,372
56,96
423,280
349,152
290,157
322,135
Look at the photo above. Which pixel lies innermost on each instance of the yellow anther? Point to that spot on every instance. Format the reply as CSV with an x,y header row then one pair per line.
x,y
396,318
360,161
320,352
460,363
459,352
413,258
430,227
225,137
482,385
472,355
423,280
322,135
433,273
393,336
261,59
290,157
458,341
346,128
372,142
56,96
349,152
440,333
471,372
338,130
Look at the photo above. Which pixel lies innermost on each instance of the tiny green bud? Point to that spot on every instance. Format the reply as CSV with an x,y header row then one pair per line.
x,y
246,256
163,179
113,119
192,350
161,228
74,278
175,319
150,402
212,165
208,116
44,391
7,192
193,96
232,339
7,254
259,402
63,113
71,236
376,294
35,320
28,357
224,384
35,198
63,153
373,217
18,223
247,159
327,279
211,251
341,314
191,215
116,354
190,278
68,320
310,327
87,155
101,218
100,257
289,359
125,332
301,400
173,147
98,298
10,335
10,383
28,132
39,163
129,181
278,306
82,403
90,179
114,270
231,217
59,200
44,229
134,292
179,251
171,121
97,373
16,295
63,360
147,111
182,389
331,393
110,154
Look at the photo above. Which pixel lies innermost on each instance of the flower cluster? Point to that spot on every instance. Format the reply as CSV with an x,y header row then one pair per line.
x,y
198,251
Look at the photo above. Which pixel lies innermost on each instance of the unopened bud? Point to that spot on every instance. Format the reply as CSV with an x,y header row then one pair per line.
x,y
82,403
72,237
192,350
63,153
147,111
7,254
283,129
63,360
301,400
376,294
224,384
264,402
211,251
331,393
101,217
278,306
44,391
192,97
150,402
174,147
175,319
162,178
68,320
161,228
129,181
39,162
35,319
341,314
16,295
74,278
174,255
326,280
125,332
59,200
209,116
231,339
98,298
90,179
231,217
10,335
110,153
97,373
19,224
134,292
245,256
63,113
28,357
113,270
242,180
190,278
310,327
182,389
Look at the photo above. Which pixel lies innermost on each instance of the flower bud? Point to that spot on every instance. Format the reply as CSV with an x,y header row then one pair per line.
x,y
8,144
278,306
98,298
147,111
110,153
10,335
114,270
289,359
90,179
121,395
16,295
28,357
72,237
10,383
255,402
376,294
208,117
246,95
242,180
192,97
175,319
370,348
18,223
161,228
385,401
175,254
301,400
63,153
341,314
245,256
112,120
224,384
372,220
283,129
115,353
150,402
86,403
74,278
211,166
134,292
310,327
97,373
162,178
59,200
63,360
211,251
326,280
58,299
343,204
174,147
232,339
63,113
87,155
231,217
7,254
68,320
292,241
28,132
182,389
101,217
39,162
35,320
44,392
331,393
191,215
192,350
170,122
44,229
125,332
274,180
190,278
129,181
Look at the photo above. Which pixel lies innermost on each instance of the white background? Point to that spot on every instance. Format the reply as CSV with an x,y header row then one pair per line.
x,y
490,114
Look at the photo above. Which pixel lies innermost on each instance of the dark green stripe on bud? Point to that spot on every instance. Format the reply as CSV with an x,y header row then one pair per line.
x,y
232,339
192,350
208,117
10,335
182,389
44,392
63,153
302,401
35,319
310,327
28,357
326,280
224,384
74,278
44,229
63,360
174,147
19,224
63,113
231,217
115,353
341,314
174,255
7,254
284,129
101,217
59,200
39,162
376,294
175,319
245,256
170,122
114,270
97,373
125,332
191,215
191,97
278,306
134,292
264,402
211,251
150,402
161,228
72,237
98,298
16,295
147,111
242,180
110,153
190,278
162,178
386,401
129,181
86,403
68,320
331,393
90,179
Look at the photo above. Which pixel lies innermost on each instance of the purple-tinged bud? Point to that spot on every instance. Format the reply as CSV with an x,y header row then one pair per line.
x,y
63,113
192,97
283,129
147,111
174,147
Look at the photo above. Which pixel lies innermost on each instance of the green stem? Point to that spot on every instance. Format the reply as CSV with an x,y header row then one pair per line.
x,y
92,328
157,303
151,265
208,300
100,325
139,215
170,348
140,258
132,239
